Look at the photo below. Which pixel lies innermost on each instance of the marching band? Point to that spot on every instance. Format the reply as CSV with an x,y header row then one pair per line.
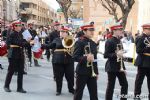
x,y
67,49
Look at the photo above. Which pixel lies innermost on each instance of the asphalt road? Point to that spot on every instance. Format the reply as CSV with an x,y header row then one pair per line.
x,y
40,85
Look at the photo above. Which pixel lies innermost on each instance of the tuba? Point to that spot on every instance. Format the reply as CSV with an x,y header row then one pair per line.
x,y
68,42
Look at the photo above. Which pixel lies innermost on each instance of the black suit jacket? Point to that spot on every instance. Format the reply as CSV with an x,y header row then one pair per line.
x,y
16,38
141,48
59,57
110,52
80,57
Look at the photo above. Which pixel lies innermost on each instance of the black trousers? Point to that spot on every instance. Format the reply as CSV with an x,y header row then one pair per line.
x,y
29,52
48,53
15,65
91,82
111,84
68,71
141,73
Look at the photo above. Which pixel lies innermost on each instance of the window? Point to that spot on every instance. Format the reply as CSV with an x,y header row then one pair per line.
x,y
24,5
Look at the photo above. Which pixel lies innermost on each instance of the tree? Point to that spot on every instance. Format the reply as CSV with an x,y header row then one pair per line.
x,y
74,13
124,5
64,5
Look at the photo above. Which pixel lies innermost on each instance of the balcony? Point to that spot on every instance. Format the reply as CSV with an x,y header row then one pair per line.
x,y
29,11
29,1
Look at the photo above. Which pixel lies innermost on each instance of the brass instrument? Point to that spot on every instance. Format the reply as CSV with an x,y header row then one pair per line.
x,y
68,42
89,64
120,59
147,42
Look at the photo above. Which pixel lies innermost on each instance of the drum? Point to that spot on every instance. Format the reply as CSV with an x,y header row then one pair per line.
x,y
38,54
3,48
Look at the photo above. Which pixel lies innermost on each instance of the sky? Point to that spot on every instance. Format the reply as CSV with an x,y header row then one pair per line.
x,y
52,3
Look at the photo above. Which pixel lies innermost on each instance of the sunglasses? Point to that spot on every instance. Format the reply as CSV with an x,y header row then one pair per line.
x,y
119,29
91,29
18,25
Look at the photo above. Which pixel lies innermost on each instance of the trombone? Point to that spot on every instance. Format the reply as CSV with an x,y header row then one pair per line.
x,y
87,49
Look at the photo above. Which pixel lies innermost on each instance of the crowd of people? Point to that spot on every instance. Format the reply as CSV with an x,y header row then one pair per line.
x,y
22,39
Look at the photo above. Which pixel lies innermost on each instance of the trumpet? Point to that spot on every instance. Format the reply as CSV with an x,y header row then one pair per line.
x,y
87,49
120,59
147,42
68,42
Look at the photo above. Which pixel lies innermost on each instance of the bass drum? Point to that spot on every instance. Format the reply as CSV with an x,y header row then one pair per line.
x,y
3,49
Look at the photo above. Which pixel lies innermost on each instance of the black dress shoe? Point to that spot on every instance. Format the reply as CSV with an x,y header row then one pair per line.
x,y
137,99
25,73
37,65
1,67
21,91
72,91
58,93
7,89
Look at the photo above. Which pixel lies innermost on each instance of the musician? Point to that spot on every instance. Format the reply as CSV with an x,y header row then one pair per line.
x,y
84,73
54,34
63,63
33,34
16,57
115,69
143,60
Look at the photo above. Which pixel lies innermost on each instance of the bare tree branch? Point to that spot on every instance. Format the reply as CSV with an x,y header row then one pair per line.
x,y
73,13
125,6
65,4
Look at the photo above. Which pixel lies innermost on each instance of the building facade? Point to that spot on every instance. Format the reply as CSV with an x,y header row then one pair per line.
x,y
1,9
7,11
143,13
94,11
36,11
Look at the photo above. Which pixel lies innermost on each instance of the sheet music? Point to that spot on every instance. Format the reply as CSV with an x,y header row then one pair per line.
x,y
26,35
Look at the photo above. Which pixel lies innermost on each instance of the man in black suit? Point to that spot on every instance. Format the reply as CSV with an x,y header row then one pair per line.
x,y
142,61
16,57
114,66
85,52
33,34
53,35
